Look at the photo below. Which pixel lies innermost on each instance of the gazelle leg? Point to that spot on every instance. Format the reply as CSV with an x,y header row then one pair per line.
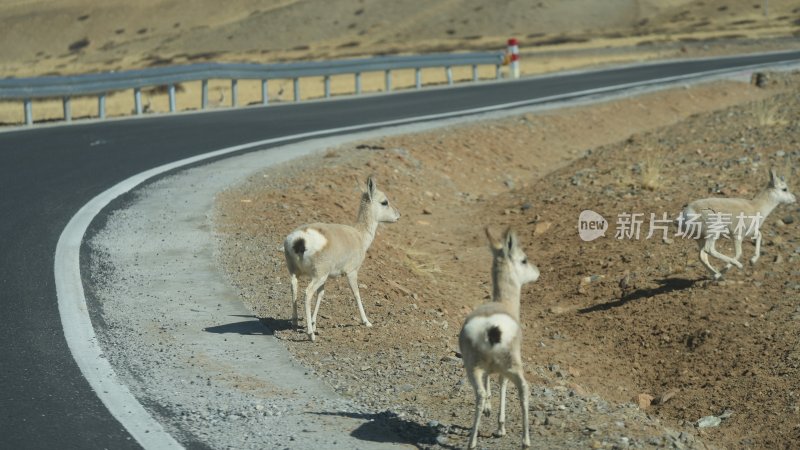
x,y
758,248
737,247
316,308
294,301
475,378
711,249
487,406
501,417
352,279
704,259
315,285
522,387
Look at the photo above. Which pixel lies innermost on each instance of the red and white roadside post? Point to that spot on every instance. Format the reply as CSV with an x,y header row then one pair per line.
x,y
513,57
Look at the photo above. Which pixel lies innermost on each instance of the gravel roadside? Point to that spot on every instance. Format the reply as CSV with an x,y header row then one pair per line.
x,y
182,341
180,338
203,364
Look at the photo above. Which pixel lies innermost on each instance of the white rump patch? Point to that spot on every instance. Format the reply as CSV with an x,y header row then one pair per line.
x,y
478,327
314,240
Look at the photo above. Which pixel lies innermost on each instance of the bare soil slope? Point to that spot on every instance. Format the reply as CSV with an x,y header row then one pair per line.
x,y
608,320
64,37
76,36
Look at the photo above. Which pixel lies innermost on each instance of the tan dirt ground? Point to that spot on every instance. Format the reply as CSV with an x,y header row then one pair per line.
x,y
731,345
76,36
715,346
61,37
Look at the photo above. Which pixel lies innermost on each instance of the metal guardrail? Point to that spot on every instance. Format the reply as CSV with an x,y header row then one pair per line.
x,y
66,87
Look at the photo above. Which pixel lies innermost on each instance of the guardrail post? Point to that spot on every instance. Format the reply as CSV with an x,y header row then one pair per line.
x,y
513,57
67,109
101,106
474,72
264,92
327,82
28,105
418,77
449,71
204,95
497,72
296,83
388,81
137,100
358,83
234,93
171,98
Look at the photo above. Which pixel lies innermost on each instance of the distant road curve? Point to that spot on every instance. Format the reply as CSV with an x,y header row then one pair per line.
x,y
48,174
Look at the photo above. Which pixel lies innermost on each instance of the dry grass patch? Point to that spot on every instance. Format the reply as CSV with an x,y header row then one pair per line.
x,y
767,113
652,172
419,262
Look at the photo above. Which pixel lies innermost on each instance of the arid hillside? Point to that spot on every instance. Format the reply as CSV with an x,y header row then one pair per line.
x,y
75,36
627,344
80,36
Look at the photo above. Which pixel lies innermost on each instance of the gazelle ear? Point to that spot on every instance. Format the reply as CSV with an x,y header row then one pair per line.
x,y
370,186
510,239
494,243
773,177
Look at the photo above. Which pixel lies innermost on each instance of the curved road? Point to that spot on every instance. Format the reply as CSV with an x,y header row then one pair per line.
x,y
48,174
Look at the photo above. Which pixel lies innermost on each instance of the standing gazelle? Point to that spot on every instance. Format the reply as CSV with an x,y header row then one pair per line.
x,y
323,250
709,219
491,338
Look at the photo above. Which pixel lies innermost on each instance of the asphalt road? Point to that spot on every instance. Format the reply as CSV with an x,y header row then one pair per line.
x,y
47,174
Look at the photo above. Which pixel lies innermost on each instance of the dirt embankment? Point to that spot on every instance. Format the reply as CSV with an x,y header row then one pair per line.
x,y
607,321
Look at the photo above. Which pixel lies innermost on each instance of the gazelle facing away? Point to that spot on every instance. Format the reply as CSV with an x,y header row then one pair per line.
x,y
711,218
323,250
491,338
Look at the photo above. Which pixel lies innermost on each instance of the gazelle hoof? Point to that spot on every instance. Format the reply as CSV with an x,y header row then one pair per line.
x,y
717,276
368,324
312,337
499,433
753,260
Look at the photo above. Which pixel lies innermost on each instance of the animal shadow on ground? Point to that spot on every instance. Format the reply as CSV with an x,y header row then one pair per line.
x,y
257,326
666,286
388,427
277,326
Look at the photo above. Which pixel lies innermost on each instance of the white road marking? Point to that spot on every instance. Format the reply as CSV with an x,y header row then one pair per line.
x,y
78,331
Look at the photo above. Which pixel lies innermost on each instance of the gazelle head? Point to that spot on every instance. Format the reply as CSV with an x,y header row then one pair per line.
x,y
779,190
510,257
378,203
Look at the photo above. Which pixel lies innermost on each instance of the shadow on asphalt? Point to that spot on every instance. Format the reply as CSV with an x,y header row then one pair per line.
x,y
388,427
